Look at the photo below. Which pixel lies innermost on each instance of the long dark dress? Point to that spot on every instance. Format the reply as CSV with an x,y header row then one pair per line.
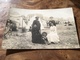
x,y
36,35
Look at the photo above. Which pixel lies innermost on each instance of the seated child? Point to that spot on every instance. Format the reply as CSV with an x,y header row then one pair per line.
x,y
44,37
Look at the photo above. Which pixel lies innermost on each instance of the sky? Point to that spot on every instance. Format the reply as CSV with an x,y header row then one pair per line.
x,y
64,13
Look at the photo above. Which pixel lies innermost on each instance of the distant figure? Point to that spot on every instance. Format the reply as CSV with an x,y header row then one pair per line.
x,y
10,27
51,21
36,34
53,36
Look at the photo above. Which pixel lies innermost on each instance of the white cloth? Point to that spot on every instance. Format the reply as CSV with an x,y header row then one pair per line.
x,y
20,23
53,36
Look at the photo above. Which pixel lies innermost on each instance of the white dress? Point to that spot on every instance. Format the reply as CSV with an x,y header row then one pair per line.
x,y
53,36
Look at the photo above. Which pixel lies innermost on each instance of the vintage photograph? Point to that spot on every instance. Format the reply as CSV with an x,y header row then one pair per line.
x,y
40,29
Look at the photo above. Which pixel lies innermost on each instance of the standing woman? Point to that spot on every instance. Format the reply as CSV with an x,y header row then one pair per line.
x,y
36,35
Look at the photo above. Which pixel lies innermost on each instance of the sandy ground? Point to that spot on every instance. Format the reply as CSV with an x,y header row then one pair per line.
x,y
67,35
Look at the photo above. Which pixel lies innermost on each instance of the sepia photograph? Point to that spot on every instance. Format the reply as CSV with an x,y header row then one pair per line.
x,y
40,29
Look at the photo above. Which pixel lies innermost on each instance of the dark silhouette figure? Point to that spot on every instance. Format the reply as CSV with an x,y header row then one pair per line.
x,y
36,34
